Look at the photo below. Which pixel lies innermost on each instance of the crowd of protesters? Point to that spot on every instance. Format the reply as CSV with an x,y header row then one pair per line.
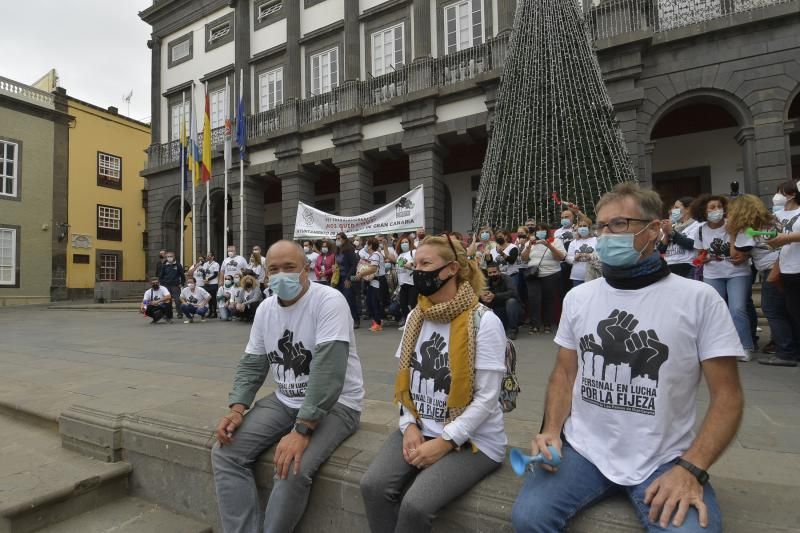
x,y
730,243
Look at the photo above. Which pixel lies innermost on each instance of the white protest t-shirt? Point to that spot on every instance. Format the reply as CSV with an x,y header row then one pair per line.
x,y
580,246
404,272
288,336
430,380
676,254
199,275
633,402
505,268
194,298
311,261
376,259
717,242
153,296
233,265
790,253
212,272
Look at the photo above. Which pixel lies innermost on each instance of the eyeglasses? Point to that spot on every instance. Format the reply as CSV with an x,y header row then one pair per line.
x,y
619,225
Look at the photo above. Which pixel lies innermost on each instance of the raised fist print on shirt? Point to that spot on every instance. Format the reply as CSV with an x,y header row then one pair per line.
x,y
294,357
719,248
433,363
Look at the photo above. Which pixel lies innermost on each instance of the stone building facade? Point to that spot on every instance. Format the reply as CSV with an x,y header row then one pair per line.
x,y
351,103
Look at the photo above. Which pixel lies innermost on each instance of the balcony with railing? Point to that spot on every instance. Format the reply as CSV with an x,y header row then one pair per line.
x,y
359,96
607,19
26,93
159,155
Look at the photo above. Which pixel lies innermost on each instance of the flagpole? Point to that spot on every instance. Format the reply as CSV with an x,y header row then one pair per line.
x,y
226,163
241,169
208,205
194,196
182,131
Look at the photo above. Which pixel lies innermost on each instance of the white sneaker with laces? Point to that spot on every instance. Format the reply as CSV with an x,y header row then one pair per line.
x,y
747,357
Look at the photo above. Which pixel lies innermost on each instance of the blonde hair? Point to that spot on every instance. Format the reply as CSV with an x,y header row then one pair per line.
x,y
747,211
468,269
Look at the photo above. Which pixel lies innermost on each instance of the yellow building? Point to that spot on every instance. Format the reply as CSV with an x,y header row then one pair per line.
x,y
106,205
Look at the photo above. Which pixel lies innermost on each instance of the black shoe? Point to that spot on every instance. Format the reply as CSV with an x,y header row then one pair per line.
x,y
512,334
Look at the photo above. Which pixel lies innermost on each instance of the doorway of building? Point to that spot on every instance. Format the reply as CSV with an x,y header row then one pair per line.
x,y
676,184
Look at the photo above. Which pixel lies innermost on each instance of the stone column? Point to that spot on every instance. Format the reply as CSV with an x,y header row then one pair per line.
x,y
746,139
58,284
297,185
155,90
505,15
422,28
355,184
291,78
253,212
352,42
646,177
425,168
768,150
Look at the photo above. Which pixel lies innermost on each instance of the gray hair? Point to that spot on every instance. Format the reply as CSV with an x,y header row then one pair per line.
x,y
649,201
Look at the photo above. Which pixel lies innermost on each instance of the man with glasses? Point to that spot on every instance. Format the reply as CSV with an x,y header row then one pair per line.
x,y
633,346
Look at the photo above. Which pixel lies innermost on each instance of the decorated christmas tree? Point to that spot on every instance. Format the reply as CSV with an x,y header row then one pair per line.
x,y
555,138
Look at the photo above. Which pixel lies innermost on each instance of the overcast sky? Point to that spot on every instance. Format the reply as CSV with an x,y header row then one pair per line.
x,y
98,47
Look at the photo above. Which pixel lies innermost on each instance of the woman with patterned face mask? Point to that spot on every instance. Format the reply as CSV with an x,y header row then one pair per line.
x,y
677,241
581,250
726,262
451,366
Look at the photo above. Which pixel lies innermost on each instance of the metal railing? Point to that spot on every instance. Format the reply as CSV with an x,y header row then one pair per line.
x,y
357,95
21,91
610,18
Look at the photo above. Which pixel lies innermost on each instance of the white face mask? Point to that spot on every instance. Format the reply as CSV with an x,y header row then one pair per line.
x,y
716,215
231,254
191,286
779,200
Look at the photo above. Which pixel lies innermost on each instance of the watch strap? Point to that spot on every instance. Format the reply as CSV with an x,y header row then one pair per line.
x,y
303,429
696,471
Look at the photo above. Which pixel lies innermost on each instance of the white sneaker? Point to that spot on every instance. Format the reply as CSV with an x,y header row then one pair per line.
x,y
402,328
187,321
747,357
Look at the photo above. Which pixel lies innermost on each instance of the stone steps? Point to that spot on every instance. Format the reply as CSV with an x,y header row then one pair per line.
x,y
128,515
44,487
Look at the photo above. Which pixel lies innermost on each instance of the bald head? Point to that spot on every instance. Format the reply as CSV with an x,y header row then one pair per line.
x,y
285,256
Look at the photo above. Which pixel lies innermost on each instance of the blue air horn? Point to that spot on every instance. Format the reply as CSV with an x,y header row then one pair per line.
x,y
521,462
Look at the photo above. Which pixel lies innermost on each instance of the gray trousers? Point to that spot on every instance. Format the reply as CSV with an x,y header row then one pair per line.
x,y
428,491
263,426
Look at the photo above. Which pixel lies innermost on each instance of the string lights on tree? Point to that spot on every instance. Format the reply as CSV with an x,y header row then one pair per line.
x,y
555,139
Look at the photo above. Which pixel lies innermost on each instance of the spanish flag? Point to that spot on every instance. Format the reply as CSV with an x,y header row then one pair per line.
x,y
206,167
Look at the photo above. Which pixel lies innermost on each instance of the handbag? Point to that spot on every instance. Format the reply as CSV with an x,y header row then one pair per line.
x,y
363,266
774,276
336,275
533,272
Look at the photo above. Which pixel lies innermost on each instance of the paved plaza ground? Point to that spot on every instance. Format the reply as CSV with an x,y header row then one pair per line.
x,y
114,360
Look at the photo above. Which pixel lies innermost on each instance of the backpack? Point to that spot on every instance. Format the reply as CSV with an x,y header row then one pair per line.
x,y
509,388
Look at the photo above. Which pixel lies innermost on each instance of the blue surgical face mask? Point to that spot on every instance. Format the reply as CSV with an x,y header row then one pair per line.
x,y
716,215
541,235
286,285
777,209
485,236
404,246
565,222
675,215
618,249
387,266
583,231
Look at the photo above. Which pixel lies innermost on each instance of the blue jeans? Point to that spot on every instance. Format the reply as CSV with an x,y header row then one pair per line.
x,y
773,303
548,501
190,310
349,295
737,292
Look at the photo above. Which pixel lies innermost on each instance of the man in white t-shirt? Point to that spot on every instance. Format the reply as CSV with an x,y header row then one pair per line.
x,y
304,335
311,259
194,301
633,348
157,302
234,265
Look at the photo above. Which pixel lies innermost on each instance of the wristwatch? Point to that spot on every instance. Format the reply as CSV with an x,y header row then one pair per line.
x,y
699,473
303,429
449,440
